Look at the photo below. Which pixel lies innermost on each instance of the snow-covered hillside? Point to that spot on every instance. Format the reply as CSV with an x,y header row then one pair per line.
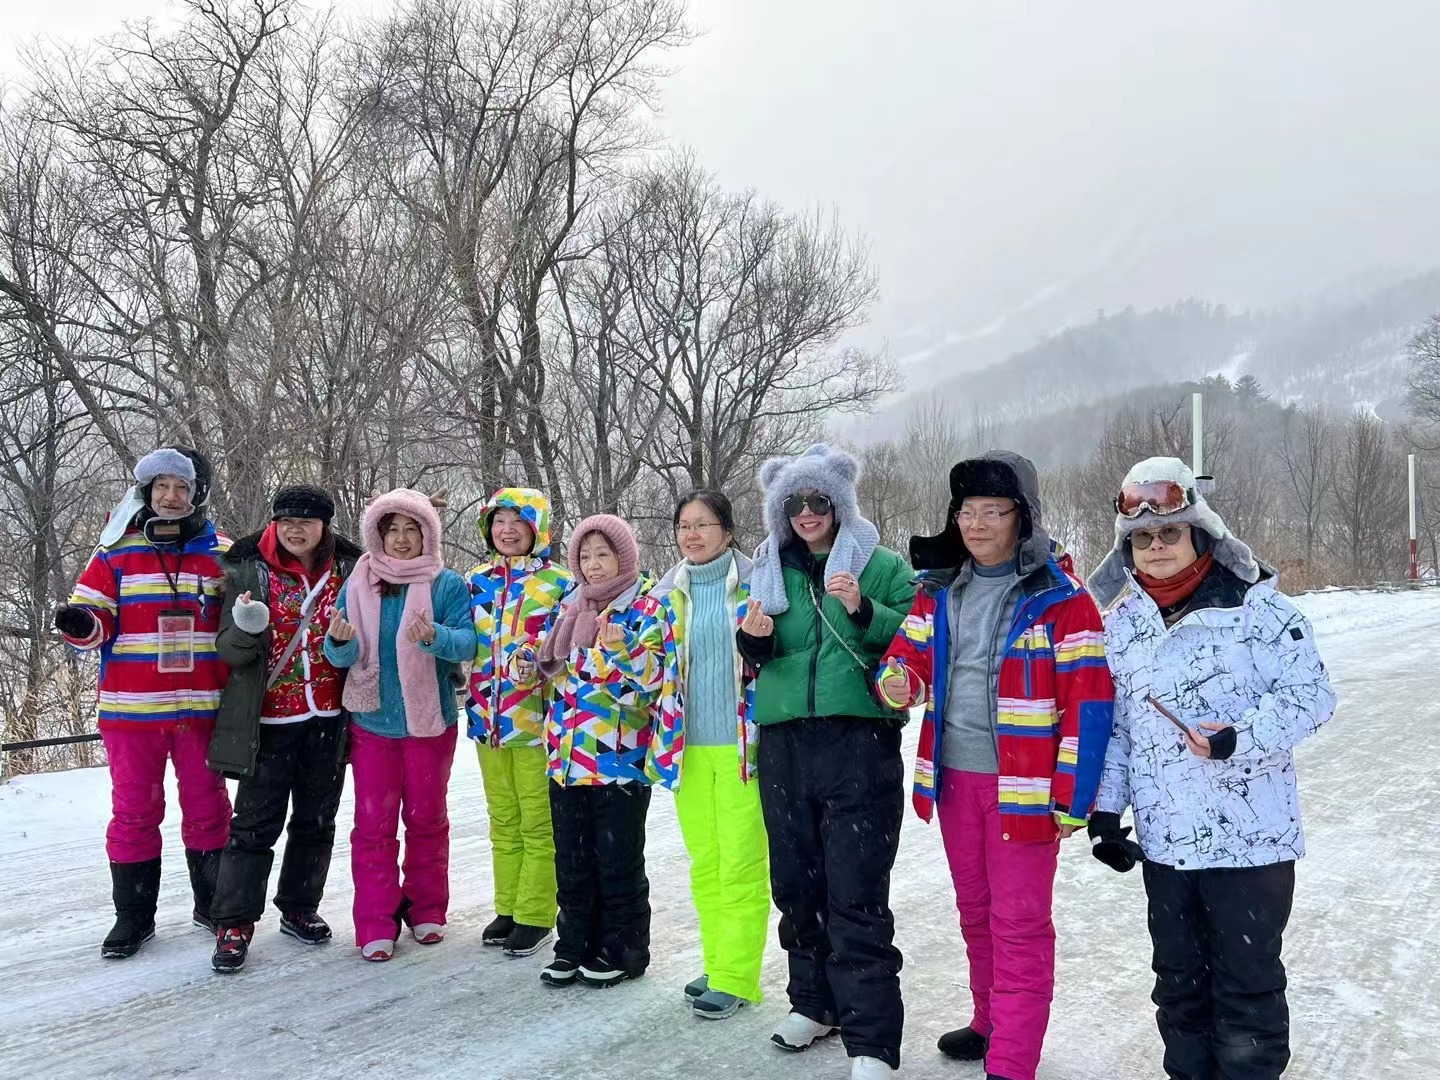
x,y
1363,953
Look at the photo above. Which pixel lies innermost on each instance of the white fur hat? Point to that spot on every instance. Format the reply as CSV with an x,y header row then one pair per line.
x,y
1108,580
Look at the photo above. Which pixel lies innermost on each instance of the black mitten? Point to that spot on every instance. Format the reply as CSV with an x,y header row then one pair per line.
x,y
75,622
1111,844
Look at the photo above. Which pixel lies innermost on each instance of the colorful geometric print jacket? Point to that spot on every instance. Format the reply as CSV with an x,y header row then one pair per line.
x,y
672,594
1241,655
512,599
609,712
127,587
1054,698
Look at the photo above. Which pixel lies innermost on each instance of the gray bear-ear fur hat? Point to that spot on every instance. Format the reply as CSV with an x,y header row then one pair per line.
x,y
1110,578
833,473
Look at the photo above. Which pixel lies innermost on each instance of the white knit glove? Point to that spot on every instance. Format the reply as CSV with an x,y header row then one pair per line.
x,y
251,615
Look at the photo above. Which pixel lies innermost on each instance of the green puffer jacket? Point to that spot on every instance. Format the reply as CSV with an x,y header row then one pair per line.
x,y
804,669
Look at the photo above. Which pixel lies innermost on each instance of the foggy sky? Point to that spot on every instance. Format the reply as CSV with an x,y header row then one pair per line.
x,y
1016,165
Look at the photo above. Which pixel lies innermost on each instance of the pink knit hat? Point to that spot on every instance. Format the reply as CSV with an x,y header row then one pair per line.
x,y
621,538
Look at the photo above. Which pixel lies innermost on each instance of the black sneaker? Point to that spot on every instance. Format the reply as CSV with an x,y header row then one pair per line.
x,y
600,973
499,931
231,946
306,926
527,940
964,1045
200,919
560,973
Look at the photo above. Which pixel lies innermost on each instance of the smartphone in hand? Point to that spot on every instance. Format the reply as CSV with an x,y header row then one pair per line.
x,y
1163,711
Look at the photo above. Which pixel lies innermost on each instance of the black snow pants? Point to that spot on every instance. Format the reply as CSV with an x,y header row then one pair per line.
x,y
601,887
832,791
1219,982
299,767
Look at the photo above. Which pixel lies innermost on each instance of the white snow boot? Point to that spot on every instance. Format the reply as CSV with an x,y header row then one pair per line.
x,y
797,1032
868,1068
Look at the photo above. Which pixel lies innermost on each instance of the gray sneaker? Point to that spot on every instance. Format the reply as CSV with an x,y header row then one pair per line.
x,y
694,989
715,1005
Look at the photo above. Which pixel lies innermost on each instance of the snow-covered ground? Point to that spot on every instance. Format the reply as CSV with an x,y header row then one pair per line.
x,y
1363,950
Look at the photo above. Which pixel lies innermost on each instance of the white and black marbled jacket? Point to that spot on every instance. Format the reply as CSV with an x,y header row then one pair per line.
x,y
1241,655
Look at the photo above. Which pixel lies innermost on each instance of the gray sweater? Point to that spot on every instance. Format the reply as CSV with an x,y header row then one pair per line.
x,y
980,614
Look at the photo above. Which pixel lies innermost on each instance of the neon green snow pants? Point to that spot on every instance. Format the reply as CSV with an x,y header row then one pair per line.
x,y
724,833
517,794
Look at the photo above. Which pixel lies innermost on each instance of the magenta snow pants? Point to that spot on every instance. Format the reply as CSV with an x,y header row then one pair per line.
x,y
400,779
1004,890
137,791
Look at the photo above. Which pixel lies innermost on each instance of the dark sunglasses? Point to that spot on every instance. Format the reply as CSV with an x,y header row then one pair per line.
x,y
795,505
1169,536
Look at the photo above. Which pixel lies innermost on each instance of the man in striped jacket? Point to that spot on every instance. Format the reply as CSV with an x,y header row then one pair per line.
x,y
1007,650
149,601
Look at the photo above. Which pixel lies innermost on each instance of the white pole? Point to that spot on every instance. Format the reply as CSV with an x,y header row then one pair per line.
x,y
1197,434
1414,534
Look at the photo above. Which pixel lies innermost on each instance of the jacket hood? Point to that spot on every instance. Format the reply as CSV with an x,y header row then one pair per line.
x,y
532,505
411,503
995,472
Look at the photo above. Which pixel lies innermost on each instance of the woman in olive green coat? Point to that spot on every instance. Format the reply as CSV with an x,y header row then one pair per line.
x,y
825,602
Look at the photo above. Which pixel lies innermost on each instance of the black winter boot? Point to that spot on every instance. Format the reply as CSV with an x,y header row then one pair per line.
x,y
204,870
231,947
136,890
499,930
527,940
306,926
964,1045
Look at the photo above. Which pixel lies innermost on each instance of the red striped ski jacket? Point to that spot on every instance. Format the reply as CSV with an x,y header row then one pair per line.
x,y
126,587
1054,707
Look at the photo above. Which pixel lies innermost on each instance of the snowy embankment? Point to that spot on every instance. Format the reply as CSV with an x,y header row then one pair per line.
x,y
1362,950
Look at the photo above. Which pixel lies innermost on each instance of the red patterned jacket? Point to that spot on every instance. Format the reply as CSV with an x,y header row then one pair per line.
x,y
1055,698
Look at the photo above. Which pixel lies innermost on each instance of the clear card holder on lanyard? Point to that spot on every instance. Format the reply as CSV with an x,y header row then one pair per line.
x,y
176,652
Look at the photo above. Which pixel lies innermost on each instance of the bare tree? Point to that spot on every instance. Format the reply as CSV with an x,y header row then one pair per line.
x,y
1370,501
1424,396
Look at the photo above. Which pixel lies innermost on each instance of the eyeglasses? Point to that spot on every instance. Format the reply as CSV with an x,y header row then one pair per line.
x,y
795,505
1170,535
1158,496
990,515
687,529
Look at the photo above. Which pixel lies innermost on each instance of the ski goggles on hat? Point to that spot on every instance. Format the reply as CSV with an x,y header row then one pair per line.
x,y
819,505
1157,496
1170,535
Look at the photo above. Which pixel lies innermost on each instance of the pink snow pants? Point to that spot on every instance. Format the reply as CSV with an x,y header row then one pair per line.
x,y
400,779
137,791
1004,890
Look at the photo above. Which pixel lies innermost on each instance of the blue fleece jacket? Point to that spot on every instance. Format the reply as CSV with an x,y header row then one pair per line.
x,y
454,643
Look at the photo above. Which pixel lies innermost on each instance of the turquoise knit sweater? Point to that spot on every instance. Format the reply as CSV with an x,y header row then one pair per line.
x,y
454,643
710,693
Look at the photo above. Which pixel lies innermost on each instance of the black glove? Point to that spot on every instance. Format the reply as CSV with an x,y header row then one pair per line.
x,y
75,622
1110,844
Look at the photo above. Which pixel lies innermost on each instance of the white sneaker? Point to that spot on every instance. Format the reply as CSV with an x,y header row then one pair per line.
x,y
796,1032
428,933
379,950
868,1068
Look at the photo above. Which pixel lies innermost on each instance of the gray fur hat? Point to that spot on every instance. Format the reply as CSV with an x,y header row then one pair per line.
x,y
833,473
1110,578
